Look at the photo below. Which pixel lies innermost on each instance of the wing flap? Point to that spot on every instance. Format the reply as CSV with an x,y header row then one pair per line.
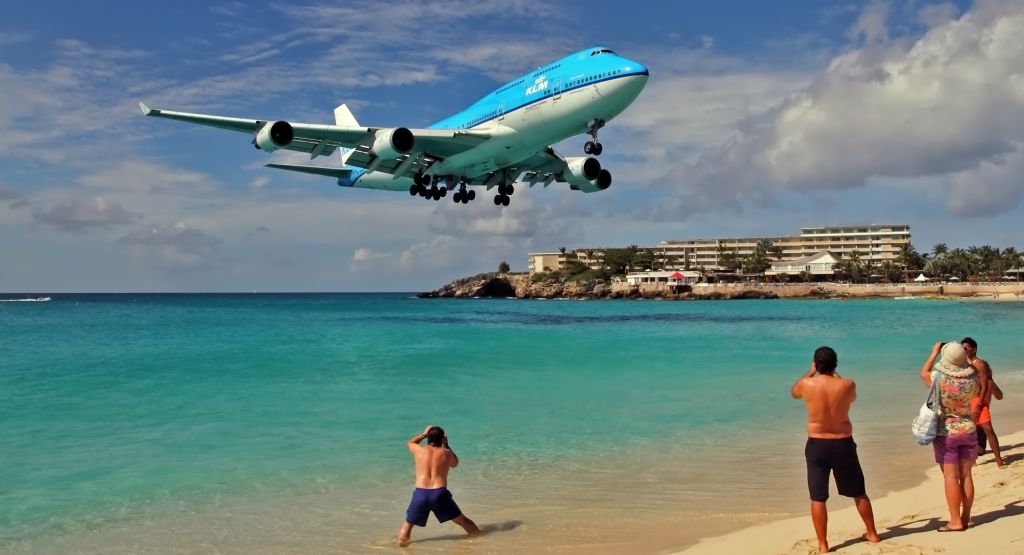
x,y
341,173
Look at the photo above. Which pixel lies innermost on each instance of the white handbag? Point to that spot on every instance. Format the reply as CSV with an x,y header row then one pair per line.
x,y
926,423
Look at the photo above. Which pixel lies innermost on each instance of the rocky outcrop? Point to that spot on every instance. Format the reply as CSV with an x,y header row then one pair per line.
x,y
522,286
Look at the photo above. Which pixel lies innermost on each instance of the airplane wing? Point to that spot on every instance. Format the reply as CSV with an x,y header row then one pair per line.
x,y
546,166
373,148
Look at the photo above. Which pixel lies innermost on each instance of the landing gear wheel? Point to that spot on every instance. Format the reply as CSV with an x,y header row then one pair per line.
x,y
505,200
457,197
465,199
509,189
472,194
426,180
593,146
414,190
444,192
497,200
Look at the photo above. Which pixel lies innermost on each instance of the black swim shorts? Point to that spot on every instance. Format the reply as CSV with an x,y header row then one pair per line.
x,y
838,456
424,501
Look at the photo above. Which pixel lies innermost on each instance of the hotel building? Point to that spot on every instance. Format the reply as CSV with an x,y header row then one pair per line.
x,y
875,243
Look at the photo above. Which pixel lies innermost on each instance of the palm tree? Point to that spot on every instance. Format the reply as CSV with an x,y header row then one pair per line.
x,y
939,249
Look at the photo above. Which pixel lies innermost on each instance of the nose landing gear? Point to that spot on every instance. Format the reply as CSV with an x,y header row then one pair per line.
x,y
594,147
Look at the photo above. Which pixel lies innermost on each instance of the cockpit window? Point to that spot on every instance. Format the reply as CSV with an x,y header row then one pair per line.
x,y
604,51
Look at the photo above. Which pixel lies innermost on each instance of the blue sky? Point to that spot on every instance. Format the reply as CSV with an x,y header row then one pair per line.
x,y
759,118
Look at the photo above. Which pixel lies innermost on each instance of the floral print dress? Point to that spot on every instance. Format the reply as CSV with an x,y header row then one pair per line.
x,y
955,396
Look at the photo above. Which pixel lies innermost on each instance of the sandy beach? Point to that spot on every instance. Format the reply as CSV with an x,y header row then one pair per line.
x,y
906,520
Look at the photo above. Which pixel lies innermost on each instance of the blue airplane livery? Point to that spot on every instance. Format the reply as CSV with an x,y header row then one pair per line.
x,y
502,138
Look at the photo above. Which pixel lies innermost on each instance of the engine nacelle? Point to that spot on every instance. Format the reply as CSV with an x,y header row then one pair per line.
x,y
603,181
582,169
391,143
585,174
275,136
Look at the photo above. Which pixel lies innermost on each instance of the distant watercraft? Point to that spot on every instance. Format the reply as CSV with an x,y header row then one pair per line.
x,y
904,298
32,300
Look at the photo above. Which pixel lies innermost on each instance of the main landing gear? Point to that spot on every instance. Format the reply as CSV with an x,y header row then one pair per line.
x,y
463,196
594,147
427,187
504,192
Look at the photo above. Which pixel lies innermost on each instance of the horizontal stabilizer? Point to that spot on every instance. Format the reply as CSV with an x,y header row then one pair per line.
x,y
340,173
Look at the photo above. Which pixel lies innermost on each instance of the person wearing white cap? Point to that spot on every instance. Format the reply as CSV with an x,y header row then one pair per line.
x,y
956,442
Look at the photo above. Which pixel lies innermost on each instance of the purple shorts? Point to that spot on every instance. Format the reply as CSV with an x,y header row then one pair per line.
x,y
953,449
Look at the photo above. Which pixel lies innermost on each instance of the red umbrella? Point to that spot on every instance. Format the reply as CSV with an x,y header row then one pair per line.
x,y
677,275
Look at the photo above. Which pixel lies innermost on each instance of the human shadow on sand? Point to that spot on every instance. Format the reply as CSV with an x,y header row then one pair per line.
x,y
1010,509
487,530
927,525
898,530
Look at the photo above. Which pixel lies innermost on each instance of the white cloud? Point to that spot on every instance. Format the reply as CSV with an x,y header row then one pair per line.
x,y
82,214
259,182
145,176
933,15
872,24
176,246
949,102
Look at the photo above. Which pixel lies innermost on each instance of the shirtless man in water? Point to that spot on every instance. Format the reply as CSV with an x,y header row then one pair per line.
x,y
433,461
830,446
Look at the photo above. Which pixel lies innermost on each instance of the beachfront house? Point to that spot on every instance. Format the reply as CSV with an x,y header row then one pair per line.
x,y
667,277
819,265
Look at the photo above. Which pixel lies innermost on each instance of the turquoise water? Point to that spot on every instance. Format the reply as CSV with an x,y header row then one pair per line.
x,y
119,409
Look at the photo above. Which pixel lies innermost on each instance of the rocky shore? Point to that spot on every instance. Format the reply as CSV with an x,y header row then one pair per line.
x,y
523,286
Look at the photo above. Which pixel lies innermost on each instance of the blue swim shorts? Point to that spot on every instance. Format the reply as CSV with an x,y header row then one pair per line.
x,y
438,500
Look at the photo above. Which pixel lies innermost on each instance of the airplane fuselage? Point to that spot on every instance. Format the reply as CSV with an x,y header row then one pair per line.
x,y
565,98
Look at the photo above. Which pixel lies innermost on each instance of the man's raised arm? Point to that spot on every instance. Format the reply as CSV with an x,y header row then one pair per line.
x,y
455,458
797,391
415,440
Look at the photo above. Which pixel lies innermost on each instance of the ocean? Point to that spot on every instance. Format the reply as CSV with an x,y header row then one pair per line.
x,y
276,423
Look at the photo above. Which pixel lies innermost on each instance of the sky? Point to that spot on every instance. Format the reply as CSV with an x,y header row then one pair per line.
x,y
759,118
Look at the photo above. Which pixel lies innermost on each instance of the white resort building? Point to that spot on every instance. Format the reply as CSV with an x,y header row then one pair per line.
x,y
873,243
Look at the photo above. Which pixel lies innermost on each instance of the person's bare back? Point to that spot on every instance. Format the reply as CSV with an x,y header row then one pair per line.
x,y
828,399
432,465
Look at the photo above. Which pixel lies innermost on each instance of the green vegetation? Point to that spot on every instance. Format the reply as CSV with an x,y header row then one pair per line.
x,y
504,268
983,263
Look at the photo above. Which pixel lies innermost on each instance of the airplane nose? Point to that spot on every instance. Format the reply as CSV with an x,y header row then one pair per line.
x,y
631,66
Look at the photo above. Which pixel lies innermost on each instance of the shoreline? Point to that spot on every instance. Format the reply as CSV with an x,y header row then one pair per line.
x,y
523,286
906,519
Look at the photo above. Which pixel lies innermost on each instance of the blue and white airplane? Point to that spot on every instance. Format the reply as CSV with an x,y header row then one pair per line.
x,y
501,138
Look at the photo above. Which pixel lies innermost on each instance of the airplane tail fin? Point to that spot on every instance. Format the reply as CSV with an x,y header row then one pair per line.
x,y
343,118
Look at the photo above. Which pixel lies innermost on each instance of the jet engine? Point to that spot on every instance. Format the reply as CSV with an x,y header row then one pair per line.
x,y
274,136
391,143
585,174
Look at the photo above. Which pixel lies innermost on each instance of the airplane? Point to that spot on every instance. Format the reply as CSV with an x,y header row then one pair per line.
x,y
499,139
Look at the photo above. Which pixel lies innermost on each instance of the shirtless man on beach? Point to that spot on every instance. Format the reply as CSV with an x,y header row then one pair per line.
x,y
433,461
980,404
830,446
